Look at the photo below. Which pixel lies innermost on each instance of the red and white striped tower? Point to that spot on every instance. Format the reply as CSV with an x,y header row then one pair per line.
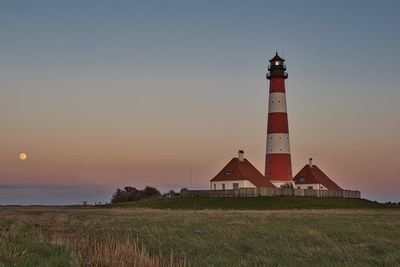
x,y
278,166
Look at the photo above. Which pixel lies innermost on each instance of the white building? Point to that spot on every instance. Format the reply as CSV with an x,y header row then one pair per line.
x,y
239,173
311,177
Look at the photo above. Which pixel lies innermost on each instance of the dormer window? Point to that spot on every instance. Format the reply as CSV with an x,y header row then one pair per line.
x,y
302,179
227,173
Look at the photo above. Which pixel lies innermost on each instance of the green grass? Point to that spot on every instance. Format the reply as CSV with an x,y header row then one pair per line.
x,y
365,234
62,237
24,248
253,203
263,238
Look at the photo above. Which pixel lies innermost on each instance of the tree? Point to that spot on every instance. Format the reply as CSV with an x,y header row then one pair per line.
x,y
130,189
132,194
151,192
116,196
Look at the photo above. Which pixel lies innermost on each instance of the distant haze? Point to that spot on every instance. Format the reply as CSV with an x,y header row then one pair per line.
x,y
103,94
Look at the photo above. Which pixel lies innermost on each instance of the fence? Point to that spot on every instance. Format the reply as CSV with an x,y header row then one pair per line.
x,y
271,192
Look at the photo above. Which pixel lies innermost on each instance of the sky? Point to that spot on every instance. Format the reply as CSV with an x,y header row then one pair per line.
x,y
105,94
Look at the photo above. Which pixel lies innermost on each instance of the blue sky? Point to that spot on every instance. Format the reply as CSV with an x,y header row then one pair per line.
x,y
113,93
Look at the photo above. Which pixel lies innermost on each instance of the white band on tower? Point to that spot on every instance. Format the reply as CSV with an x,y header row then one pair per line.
x,y
277,103
278,143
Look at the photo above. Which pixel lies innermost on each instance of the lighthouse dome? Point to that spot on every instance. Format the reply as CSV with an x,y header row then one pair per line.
x,y
276,58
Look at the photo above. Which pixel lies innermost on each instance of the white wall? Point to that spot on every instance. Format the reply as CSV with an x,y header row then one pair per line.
x,y
229,184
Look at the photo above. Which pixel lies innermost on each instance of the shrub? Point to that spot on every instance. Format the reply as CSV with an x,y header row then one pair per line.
x,y
171,193
132,194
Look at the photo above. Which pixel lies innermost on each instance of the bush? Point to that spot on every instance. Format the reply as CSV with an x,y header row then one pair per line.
x,y
288,185
132,194
171,193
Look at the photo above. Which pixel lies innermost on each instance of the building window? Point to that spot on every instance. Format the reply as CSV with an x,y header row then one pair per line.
x,y
302,179
310,187
235,185
227,173
223,186
215,186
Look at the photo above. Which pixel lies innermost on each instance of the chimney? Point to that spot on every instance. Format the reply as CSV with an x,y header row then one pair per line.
x,y
310,162
241,155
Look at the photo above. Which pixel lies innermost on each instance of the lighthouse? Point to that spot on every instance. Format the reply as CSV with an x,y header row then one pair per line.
x,y
278,165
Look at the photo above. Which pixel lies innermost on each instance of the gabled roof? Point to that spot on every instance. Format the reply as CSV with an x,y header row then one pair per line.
x,y
242,170
313,175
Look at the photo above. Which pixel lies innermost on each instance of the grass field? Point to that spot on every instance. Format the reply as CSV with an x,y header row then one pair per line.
x,y
272,231
45,236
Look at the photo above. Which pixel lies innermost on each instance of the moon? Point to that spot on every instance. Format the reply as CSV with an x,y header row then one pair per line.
x,y
23,156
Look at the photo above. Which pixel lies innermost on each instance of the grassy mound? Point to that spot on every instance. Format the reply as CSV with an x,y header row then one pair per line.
x,y
254,203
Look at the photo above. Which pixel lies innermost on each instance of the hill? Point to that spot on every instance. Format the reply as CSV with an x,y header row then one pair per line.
x,y
254,203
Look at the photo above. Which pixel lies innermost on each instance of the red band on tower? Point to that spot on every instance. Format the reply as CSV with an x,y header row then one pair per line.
x,y
277,84
278,123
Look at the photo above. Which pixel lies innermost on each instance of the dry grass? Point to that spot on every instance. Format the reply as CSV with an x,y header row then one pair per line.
x,y
107,250
84,248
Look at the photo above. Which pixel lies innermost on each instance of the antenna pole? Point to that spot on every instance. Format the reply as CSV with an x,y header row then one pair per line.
x,y
190,177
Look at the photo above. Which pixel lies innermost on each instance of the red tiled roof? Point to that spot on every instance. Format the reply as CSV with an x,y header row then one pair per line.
x,y
242,170
315,176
